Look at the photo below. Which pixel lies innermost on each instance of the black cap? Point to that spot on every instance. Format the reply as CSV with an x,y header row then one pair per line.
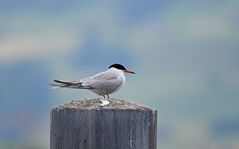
x,y
118,66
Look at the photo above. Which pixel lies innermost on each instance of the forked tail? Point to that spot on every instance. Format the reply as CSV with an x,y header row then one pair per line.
x,y
65,84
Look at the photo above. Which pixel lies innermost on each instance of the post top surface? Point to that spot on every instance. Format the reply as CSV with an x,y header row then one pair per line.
x,y
98,103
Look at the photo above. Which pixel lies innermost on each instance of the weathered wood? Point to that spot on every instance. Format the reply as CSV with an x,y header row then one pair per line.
x,y
88,125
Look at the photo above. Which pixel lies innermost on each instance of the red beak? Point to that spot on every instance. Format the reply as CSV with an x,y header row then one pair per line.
x,y
129,71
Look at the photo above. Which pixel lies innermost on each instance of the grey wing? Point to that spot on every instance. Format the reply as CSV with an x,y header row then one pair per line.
x,y
107,75
102,80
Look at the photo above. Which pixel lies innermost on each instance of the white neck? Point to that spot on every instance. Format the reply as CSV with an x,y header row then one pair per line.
x,y
119,72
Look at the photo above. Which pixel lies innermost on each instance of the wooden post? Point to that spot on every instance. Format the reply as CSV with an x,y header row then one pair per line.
x,y
89,125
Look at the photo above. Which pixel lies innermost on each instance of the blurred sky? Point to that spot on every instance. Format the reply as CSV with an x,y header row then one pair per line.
x,y
185,54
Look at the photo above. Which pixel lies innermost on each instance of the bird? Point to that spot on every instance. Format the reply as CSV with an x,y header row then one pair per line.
x,y
103,83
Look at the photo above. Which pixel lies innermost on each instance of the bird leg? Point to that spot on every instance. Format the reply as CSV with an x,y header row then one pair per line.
x,y
104,96
108,96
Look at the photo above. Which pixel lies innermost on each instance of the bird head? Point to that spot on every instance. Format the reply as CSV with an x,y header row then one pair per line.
x,y
121,67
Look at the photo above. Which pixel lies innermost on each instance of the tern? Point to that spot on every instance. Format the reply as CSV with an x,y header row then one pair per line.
x,y
103,83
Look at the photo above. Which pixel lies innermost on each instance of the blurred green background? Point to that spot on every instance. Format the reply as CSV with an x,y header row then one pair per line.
x,y
185,54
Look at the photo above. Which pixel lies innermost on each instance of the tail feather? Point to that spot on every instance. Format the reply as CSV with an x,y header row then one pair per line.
x,y
62,82
65,84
